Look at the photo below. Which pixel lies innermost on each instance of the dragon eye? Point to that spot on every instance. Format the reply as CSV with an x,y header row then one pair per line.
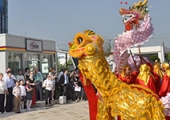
x,y
79,40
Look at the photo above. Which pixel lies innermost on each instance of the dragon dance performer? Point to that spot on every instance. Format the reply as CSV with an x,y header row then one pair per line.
x,y
127,76
158,75
145,78
165,86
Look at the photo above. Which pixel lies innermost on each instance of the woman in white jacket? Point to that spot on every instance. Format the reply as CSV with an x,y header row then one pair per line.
x,y
3,91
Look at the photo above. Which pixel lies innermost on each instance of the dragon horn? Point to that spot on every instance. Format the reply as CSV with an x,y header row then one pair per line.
x,y
89,32
140,3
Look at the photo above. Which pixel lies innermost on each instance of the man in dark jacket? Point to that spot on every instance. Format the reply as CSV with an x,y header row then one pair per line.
x,y
64,82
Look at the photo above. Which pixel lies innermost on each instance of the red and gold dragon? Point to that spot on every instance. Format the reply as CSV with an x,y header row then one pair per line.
x,y
136,34
131,102
115,98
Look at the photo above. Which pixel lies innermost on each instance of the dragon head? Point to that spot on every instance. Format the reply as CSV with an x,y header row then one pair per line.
x,y
86,44
137,11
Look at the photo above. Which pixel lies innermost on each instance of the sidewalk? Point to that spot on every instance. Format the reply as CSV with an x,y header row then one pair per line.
x,y
71,111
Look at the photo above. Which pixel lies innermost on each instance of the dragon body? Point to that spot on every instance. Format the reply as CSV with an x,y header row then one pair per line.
x,y
135,34
131,102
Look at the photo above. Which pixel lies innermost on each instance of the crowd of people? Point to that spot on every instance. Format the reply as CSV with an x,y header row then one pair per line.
x,y
19,93
155,76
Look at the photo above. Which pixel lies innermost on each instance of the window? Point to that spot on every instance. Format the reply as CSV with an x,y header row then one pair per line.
x,y
14,61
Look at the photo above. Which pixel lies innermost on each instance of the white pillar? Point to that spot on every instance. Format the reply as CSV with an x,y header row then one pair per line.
x,y
160,56
162,52
3,61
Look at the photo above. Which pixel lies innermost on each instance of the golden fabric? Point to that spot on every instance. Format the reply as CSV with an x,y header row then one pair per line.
x,y
119,98
165,66
144,73
157,69
167,73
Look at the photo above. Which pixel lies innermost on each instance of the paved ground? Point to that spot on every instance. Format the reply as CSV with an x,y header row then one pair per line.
x,y
71,111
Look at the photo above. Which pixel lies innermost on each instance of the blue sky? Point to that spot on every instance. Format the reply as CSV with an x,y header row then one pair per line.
x,y
60,19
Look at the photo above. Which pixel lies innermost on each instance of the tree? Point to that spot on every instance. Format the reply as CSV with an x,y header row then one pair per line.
x,y
168,56
153,58
69,61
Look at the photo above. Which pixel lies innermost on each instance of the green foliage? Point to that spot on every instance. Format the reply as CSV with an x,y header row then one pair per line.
x,y
167,57
153,58
69,61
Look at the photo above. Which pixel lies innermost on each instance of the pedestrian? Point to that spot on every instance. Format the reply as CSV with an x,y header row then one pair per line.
x,y
10,82
60,74
38,81
48,84
54,76
28,94
27,73
20,76
64,81
17,97
23,94
59,81
3,91
32,84
6,74
77,87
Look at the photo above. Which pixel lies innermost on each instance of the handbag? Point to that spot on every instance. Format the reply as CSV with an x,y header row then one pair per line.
x,y
78,89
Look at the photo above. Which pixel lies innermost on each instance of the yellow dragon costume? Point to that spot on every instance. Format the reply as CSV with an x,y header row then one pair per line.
x,y
131,102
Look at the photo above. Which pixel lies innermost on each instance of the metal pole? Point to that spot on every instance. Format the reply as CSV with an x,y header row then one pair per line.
x,y
133,59
66,60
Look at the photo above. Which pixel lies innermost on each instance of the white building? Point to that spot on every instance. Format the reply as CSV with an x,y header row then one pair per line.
x,y
18,52
160,51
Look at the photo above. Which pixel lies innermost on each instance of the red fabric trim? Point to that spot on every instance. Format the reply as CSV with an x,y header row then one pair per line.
x,y
92,98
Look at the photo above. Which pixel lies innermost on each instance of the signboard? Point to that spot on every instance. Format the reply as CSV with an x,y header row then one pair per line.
x,y
34,45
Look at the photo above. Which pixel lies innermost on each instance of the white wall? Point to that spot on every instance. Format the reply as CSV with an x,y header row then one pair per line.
x,y
15,41
3,62
2,40
49,45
